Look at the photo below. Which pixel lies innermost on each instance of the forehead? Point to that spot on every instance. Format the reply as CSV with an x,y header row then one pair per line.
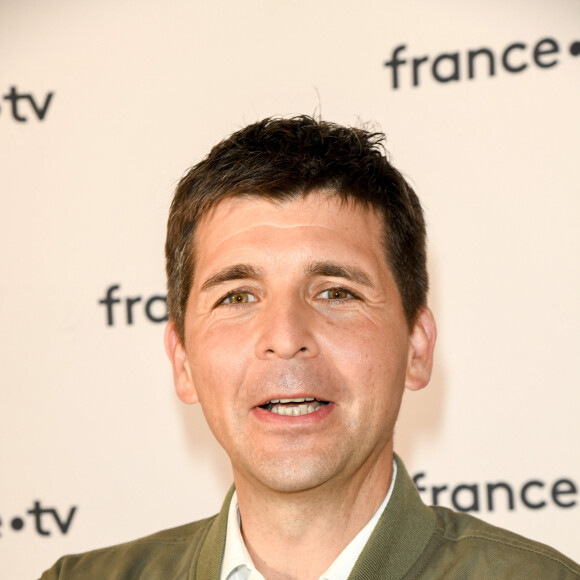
x,y
252,221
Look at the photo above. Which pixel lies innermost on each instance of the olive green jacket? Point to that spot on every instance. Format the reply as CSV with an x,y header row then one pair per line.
x,y
410,541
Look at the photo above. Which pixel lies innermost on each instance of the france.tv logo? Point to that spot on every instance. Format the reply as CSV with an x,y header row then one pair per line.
x,y
447,67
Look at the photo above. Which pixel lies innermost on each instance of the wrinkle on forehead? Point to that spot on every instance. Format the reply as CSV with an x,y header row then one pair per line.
x,y
266,226
284,215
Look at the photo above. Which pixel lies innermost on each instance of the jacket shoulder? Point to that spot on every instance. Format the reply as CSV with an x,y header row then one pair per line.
x,y
470,547
165,554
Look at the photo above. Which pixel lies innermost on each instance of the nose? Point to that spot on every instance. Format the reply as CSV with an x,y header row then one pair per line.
x,y
286,330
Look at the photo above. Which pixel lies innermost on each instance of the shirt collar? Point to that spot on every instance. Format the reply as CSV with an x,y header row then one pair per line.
x,y
236,555
237,562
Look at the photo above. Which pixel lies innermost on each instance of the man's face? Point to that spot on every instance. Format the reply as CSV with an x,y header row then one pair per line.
x,y
296,301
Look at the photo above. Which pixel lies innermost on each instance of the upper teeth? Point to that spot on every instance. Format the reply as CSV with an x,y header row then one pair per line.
x,y
300,400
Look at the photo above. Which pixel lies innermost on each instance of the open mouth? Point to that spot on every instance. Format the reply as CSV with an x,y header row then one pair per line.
x,y
294,407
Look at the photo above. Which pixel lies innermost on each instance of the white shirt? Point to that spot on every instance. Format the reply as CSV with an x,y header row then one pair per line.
x,y
237,563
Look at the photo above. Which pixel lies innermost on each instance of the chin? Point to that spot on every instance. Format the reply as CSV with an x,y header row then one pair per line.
x,y
292,475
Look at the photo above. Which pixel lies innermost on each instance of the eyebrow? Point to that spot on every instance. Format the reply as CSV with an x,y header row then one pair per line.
x,y
336,270
325,268
235,272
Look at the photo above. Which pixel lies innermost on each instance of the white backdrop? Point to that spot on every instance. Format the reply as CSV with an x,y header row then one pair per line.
x,y
140,91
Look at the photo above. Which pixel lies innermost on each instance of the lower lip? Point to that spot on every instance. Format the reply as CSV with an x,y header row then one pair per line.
x,y
275,419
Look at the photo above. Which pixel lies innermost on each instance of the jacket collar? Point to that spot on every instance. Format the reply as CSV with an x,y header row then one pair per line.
x,y
401,535
208,564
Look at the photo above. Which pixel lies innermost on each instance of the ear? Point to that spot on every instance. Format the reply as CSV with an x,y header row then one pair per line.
x,y
422,344
181,371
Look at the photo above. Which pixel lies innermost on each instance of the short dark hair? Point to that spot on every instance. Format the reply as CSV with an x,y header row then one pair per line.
x,y
281,159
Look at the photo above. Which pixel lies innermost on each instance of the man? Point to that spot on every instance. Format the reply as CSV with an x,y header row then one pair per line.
x,y
297,290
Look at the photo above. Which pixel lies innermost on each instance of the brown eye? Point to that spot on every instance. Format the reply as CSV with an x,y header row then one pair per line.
x,y
338,294
238,298
335,294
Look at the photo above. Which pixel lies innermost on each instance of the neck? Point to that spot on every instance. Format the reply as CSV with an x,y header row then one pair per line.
x,y
297,535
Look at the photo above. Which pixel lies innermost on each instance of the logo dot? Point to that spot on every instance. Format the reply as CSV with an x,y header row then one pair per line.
x,y
17,523
575,48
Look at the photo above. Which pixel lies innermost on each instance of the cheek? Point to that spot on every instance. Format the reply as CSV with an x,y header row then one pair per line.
x,y
220,366
219,371
371,354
